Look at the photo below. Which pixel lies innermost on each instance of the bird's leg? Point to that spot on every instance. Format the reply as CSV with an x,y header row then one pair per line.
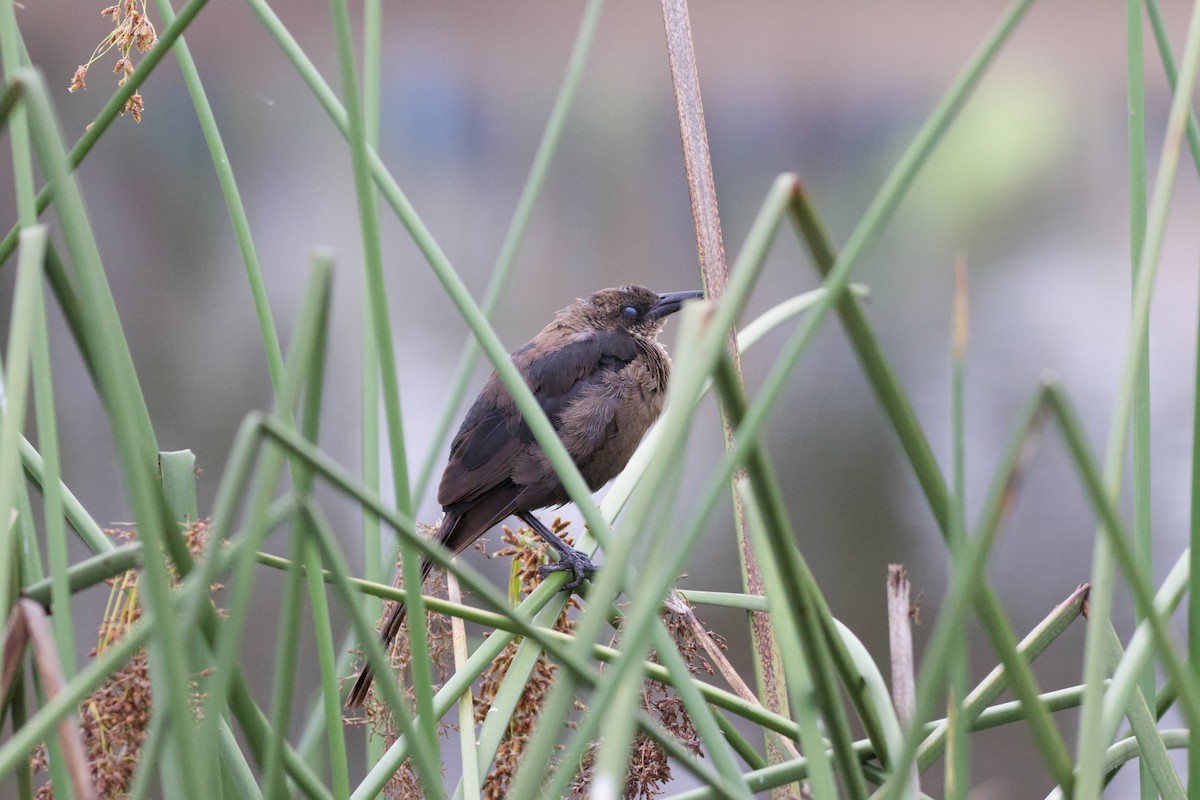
x,y
569,558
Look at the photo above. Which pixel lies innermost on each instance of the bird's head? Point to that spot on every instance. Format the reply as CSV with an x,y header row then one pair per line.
x,y
634,308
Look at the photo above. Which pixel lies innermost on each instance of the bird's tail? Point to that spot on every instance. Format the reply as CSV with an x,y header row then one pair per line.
x,y
460,526
387,635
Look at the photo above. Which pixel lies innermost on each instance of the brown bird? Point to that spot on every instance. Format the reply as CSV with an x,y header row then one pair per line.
x,y
600,375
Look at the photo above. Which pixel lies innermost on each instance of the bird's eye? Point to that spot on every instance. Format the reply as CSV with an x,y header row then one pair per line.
x,y
630,311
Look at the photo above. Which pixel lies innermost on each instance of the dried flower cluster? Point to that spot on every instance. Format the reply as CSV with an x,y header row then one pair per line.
x,y
528,553
649,767
114,718
677,614
131,29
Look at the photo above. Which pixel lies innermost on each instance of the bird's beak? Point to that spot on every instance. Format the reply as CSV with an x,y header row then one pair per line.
x,y
671,302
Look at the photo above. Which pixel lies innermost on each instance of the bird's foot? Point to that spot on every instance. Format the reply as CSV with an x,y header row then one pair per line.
x,y
577,562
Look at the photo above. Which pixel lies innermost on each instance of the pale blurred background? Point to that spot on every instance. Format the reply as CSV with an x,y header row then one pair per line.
x,y
1030,186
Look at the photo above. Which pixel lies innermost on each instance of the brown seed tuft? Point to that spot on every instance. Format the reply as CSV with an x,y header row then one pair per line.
x,y
528,552
115,717
135,105
131,28
649,766
78,80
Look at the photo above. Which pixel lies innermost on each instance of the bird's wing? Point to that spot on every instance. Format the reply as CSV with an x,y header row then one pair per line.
x,y
493,433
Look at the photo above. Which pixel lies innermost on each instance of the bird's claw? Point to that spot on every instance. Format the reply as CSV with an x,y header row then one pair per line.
x,y
579,565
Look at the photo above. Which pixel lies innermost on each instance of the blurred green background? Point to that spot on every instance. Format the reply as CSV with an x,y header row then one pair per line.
x,y
1030,187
